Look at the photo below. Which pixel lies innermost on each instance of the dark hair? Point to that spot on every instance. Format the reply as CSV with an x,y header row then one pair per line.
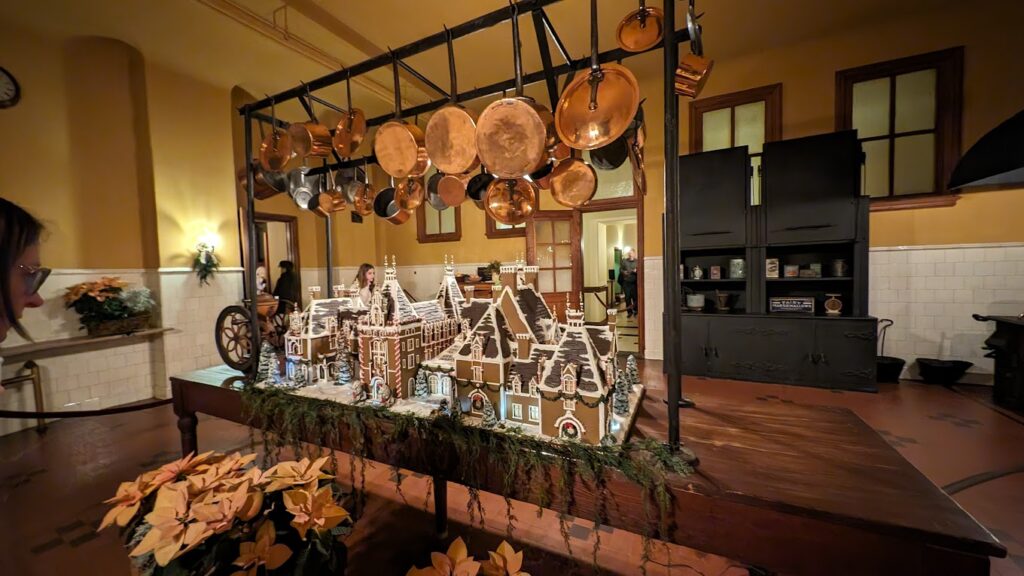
x,y
18,231
361,275
288,265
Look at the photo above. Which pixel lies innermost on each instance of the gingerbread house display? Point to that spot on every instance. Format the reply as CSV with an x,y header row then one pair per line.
x,y
316,343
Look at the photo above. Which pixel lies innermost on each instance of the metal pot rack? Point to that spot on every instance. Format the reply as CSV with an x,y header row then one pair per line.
x,y
548,74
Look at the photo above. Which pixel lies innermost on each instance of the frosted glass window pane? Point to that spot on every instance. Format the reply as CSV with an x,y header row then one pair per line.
x,y
749,128
871,107
717,129
546,279
432,220
563,256
545,256
915,101
914,169
563,280
876,168
543,232
448,221
755,181
561,232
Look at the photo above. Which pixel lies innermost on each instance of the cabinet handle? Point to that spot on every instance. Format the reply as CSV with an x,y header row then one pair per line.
x,y
704,351
822,358
812,357
716,351
714,233
808,227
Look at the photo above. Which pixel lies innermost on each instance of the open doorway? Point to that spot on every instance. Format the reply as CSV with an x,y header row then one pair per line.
x,y
277,240
607,238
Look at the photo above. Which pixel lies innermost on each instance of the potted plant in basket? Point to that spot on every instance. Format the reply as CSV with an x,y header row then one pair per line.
x,y
106,308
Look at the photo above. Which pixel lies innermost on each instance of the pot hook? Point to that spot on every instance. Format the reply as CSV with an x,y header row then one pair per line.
x,y
596,74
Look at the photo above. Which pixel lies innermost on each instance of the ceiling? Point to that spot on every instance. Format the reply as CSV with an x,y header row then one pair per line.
x,y
227,43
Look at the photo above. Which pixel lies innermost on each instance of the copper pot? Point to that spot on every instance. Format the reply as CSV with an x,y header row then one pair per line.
x,y
611,155
276,151
476,188
542,177
573,183
598,107
510,202
400,146
385,207
310,140
691,74
351,129
514,134
451,189
266,184
409,194
641,30
451,131
362,194
332,199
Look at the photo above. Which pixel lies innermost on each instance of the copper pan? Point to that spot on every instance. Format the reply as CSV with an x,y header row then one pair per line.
x,y
363,195
266,184
351,129
542,177
476,188
410,193
514,134
400,146
694,68
452,189
641,30
385,207
573,183
597,108
510,202
276,149
332,198
310,140
451,131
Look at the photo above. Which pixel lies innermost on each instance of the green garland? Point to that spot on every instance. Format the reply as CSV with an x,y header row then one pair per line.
x,y
441,444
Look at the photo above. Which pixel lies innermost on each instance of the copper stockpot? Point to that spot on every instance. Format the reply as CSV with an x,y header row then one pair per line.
x,y
410,193
510,202
310,140
400,146
514,134
691,74
266,184
597,108
385,207
351,129
573,183
641,30
451,131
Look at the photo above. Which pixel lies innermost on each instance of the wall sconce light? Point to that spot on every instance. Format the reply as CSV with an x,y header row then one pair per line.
x,y
205,263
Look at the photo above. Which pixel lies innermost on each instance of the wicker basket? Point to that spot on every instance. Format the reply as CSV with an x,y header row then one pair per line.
x,y
120,326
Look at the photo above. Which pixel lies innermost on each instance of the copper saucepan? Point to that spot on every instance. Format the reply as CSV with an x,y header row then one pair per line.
x,y
400,146
276,149
409,194
332,197
351,129
266,184
310,140
641,30
597,108
452,189
476,188
451,131
510,202
434,194
514,134
363,195
694,68
573,182
384,206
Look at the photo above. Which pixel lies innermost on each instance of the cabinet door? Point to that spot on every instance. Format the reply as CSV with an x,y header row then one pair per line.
x,y
846,353
694,343
811,187
758,348
713,192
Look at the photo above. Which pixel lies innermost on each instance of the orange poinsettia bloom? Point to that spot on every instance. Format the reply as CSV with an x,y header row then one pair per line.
x,y
313,510
455,563
173,531
505,561
218,510
262,552
301,473
180,469
126,503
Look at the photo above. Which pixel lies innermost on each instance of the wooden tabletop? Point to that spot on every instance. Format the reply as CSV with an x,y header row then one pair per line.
x,y
797,489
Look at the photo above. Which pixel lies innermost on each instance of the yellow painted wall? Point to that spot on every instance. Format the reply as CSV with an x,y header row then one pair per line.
x,y
68,154
993,91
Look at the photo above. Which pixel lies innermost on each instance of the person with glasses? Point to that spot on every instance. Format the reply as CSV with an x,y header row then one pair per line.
x,y
21,274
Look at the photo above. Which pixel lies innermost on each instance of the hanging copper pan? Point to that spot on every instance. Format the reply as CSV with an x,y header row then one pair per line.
x,y
266,184
276,149
694,68
597,108
510,202
385,207
514,134
573,183
400,146
641,30
351,129
560,152
410,193
542,177
451,131
476,188
310,140
363,195
434,194
332,198
451,188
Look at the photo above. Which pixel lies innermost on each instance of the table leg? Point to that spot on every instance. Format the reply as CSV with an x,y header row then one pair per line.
x,y
187,425
441,506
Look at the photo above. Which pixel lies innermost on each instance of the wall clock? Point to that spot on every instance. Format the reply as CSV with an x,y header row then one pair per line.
x,y
10,92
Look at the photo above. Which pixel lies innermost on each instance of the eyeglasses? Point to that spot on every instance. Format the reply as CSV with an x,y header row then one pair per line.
x,y
34,278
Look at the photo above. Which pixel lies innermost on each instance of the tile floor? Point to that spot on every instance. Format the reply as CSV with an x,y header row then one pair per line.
x,y
51,486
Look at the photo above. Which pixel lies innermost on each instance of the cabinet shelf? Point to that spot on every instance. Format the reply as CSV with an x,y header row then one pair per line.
x,y
715,281
818,279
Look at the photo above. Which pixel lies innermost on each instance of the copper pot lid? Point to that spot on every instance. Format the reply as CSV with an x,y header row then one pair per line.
x,y
409,194
511,137
691,74
276,151
452,189
399,149
641,30
617,97
310,139
451,139
510,202
573,183
349,132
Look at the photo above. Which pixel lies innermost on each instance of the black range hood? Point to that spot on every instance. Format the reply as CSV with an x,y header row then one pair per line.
x,y
997,159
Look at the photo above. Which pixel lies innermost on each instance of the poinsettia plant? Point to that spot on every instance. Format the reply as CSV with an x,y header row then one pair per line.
x,y
504,561
215,514
107,299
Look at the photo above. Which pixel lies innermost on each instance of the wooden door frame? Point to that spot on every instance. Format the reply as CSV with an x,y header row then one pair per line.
x,y
293,231
575,227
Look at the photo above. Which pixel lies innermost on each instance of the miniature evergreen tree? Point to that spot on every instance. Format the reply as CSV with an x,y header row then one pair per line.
x,y
300,376
620,397
421,390
609,440
490,420
633,375
344,373
268,359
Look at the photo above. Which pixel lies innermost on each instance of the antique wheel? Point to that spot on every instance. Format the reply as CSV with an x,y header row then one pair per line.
x,y
278,327
234,338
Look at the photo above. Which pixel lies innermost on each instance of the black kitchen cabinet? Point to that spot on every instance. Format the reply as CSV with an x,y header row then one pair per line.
x,y
845,352
756,348
811,187
714,191
694,344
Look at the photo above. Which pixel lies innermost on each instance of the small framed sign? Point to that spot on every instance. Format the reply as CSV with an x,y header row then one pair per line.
x,y
791,305
716,272
771,269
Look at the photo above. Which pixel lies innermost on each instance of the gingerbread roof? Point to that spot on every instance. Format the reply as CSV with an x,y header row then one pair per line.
x,y
530,367
575,348
474,310
534,310
399,307
493,336
602,338
429,310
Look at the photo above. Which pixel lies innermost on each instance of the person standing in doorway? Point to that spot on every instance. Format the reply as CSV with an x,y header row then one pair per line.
x,y
288,289
365,280
627,278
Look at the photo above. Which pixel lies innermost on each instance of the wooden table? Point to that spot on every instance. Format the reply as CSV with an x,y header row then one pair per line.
x,y
793,489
